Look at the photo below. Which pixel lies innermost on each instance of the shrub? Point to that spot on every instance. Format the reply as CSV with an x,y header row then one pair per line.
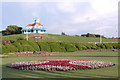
x,y
4,49
90,46
69,46
26,46
63,33
21,38
34,45
11,48
44,46
29,48
101,45
55,46
118,47
18,46
98,46
80,46
12,41
6,42
115,45
108,46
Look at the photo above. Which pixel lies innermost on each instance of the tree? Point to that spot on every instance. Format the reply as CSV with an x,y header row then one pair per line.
x,y
12,29
63,33
91,35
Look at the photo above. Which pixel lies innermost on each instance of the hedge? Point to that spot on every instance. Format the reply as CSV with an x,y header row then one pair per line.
x,y
118,46
18,46
108,46
26,46
22,45
80,46
4,49
56,47
44,46
115,45
34,45
101,45
90,46
69,46
11,48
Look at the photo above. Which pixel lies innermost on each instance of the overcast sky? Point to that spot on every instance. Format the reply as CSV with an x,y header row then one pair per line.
x,y
72,17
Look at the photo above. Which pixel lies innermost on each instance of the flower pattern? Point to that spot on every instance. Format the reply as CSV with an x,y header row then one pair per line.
x,y
60,65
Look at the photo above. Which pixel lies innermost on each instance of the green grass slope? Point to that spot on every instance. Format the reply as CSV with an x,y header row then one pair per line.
x,y
55,37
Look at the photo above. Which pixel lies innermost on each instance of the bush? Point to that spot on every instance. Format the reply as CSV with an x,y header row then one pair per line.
x,y
11,48
18,46
44,46
80,46
4,49
21,38
101,45
63,33
118,47
98,46
55,46
12,41
34,45
69,46
6,42
114,45
26,46
90,46
108,46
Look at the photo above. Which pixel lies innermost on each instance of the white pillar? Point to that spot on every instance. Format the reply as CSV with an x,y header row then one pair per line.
x,y
27,35
100,38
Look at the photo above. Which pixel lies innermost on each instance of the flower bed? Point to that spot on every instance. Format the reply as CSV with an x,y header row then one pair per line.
x,y
60,65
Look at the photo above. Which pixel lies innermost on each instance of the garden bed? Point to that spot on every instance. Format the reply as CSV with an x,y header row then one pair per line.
x,y
60,65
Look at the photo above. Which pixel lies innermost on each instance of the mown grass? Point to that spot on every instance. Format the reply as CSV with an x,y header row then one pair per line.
x,y
72,54
54,38
110,72
87,54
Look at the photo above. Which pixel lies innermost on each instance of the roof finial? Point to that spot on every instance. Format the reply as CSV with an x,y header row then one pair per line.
x,y
36,20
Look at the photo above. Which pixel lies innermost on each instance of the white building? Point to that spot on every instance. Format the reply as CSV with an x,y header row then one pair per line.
x,y
34,28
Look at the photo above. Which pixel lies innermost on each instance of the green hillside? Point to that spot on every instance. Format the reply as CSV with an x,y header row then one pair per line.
x,y
55,38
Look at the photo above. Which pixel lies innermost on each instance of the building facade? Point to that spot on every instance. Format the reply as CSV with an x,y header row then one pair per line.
x,y
36,27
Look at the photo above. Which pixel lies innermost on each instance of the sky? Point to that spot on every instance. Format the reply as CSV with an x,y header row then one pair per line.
x,y
72,17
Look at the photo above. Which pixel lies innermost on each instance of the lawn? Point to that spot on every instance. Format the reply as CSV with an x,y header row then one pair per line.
x,y
86,54
54,38
69,54
110,72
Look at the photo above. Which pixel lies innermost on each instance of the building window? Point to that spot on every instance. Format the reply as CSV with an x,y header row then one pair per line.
x,y
36,24
31,30
36,31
